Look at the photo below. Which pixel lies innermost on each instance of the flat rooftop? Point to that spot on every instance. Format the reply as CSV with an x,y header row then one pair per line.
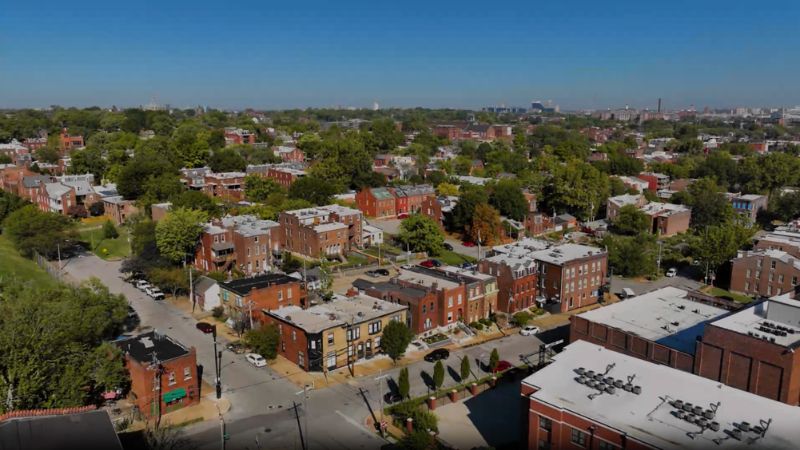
x,y
331,226
142,347
425,280
775,320
665,316
550,252
243,286
338,312
650,416
663,209
91,430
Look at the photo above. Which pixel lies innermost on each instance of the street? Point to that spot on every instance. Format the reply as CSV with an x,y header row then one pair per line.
x,y
261,414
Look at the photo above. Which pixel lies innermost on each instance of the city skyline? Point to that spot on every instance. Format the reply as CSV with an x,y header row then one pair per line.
x,y
584,56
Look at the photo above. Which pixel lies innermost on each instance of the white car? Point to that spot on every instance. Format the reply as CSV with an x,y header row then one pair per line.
x,y
529,330
155,293
256,359
142,285
672,272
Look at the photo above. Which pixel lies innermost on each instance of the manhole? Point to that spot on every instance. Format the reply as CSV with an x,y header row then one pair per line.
x,y
267,430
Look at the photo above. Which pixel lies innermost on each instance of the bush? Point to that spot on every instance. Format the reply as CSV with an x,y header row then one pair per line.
x,y
486,322
109,230
218,312
522,318
97,209
425,420
264,341
476,325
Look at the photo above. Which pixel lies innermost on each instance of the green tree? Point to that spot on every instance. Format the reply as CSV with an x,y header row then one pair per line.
x,y
9,203
709,205
438,374
421,234
419,439
264,341
631,221
395,339
88,160
195,200
471,196
486,226
522,318
258,189
170,279
447,189
315,190
31,230
227,160
631,256
576,187
717,244
403,383
109,230
465,368
494,359
177,233
508,198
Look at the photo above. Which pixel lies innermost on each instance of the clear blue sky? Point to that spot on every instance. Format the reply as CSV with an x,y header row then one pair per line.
x,y
277,54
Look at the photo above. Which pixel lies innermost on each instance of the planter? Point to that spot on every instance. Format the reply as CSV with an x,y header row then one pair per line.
x,y
493,382
431,403
473,389
409,425
453,395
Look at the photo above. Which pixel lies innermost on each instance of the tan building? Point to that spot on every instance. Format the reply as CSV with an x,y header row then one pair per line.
x,y
334,334
325,231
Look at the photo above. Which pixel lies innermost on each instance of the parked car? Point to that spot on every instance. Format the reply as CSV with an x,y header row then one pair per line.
x,y
430,263
448,247
382,272
156,293
205,327
468,244
529,330
372,273
467,265
256,359
236,347
502,366
142,284
402,216
672,272
436,355
626,293
392,397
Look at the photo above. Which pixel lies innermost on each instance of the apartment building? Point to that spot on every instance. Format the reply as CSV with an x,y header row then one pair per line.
x,y
243,242
517,280
570,275
238,136
422,303
666,219
591,397
335,334
225,185
69,142
410,199
246,299
481,289
376,202
748,205
325,231
655,181
764,272
784,238
163,373
284,173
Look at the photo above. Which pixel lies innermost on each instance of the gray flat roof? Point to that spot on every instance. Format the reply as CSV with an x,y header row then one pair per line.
x,y
339,311
756,321
665,316
649,417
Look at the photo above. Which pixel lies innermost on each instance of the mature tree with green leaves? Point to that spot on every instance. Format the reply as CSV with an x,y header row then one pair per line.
x,y
177,233
466,370
227,160
486,226
447,189
264,340
471,196
170,279
709,205
395,339
438,374
577,188
632,256
403,383
109,230
195,200
717,244
258,189
315,190
10,203
420,233
151,161
631,221
31,230
508,198
88,160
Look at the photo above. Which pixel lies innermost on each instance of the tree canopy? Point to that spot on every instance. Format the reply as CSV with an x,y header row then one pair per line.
x,y
177,233
421,234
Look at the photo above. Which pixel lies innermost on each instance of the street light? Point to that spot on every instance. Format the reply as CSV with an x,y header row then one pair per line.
x,y
305,390
208,328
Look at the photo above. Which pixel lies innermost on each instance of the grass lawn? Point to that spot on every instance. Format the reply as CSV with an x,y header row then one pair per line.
x,y
453,258
738,298
109,249
15,265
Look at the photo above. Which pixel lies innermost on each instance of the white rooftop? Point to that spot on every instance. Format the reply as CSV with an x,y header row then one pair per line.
x,y
331,226
663,209
425,280
776,320
650,416
626,199
665,316
339,311
550,252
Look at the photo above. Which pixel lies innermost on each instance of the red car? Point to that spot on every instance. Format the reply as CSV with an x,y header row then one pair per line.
x,y
429,263
502,366
468,244
402,216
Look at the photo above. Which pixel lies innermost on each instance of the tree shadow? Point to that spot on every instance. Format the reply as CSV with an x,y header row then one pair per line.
x,y
427,379
392,385
455,375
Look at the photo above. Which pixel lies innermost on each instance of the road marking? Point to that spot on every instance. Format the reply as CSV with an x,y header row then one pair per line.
x,y
355,423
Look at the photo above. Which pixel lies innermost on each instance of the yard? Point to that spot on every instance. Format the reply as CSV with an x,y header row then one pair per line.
x,y
15,265
738,298
91,233
454,259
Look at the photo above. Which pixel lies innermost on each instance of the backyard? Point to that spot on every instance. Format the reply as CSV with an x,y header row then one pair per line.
x,y
718,292
91,233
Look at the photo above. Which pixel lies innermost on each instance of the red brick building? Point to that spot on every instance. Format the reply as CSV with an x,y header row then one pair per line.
x,y
69,142
325,231
595,398
376,202
422,303
517,280
243,242
225,185
410,199
245,298
655,181
764,272
163,373
237,136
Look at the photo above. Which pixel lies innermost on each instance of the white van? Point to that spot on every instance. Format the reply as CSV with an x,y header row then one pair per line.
x,y
627,293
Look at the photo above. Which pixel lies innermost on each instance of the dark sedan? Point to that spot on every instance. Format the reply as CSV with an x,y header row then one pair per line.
x,y
436,355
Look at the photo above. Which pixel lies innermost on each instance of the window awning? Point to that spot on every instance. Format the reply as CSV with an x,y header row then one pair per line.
x,y
176,394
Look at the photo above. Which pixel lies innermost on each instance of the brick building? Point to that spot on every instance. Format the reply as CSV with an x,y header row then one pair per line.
x,y
450,305
290,154
411,199
334,334
764,272
784,238
163,373
330,231
655,181
748,205
666,219
68,142
225,185
376,202
754,350
595,398
517,279
285,175
117,209
237,136
570,275
422,302
661,326
245,297
243,242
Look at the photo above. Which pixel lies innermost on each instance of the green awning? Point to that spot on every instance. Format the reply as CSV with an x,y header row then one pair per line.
x,y
177,394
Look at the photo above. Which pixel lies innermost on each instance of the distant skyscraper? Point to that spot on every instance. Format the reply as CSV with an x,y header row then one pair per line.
x,y
375,106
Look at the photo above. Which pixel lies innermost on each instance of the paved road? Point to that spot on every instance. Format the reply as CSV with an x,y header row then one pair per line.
x,y
262,400
681,281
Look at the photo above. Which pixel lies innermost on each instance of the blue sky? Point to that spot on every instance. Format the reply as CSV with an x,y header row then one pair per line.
x,y
270,54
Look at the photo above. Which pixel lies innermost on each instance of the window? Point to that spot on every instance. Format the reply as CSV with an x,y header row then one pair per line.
x,y
255,238
545,423
289,293
187,373
794,281
353,333
746,286
772,264
606,446
377,342
331,360
313,345
450,302
459,299
172,378
431,306
424,309
374,327
449,317
578,437
280,294
301,359
294,335
330,338
544,445
780,278
747,274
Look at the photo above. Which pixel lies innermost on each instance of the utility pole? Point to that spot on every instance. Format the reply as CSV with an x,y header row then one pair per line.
x,y
191,289
221,429
658,261
306,398
157,369
479,244
297,417
380,396
250,312
58,249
